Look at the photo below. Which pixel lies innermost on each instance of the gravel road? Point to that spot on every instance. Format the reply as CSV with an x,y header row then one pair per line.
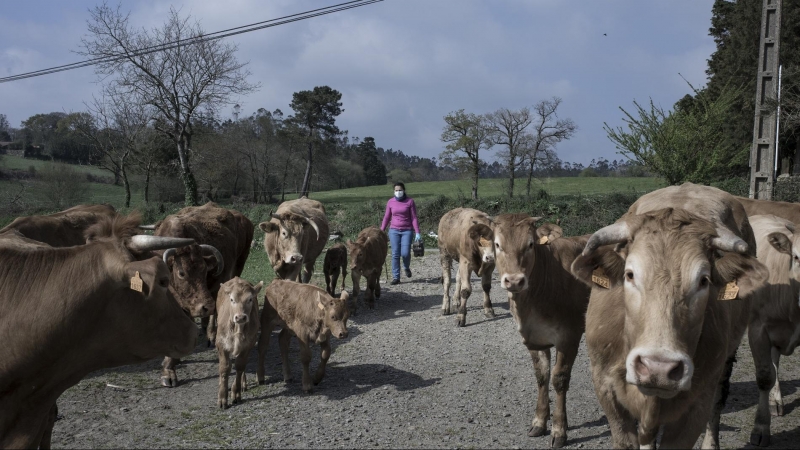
x,y
405,377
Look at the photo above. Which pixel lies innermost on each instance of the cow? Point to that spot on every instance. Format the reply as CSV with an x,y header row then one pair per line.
x,y
295,237
775,317
787,210
223,239
62,229
84,308
671,286
310,314
465,235
547,303
237,332
335,262
367,258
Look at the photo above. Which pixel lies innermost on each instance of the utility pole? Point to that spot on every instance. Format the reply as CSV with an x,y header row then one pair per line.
x,y
762,153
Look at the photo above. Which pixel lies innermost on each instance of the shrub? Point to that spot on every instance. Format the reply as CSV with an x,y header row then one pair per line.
x,y
63,186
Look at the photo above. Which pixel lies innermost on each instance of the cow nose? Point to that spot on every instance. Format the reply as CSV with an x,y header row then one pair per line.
x,y
240,318
648,368
488,259
342,334
514,282
294,259
666,370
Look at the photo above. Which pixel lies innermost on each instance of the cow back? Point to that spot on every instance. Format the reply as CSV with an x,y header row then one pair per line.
x,y
787,210
62,229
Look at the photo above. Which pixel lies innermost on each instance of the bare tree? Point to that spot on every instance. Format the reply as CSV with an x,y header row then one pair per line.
x,y
507,128
466,134
547,131
188,74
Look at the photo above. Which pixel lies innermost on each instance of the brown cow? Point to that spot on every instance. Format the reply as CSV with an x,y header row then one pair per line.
x,y
547,303
98,320
295,237
223,239
775,317
465,235
367,257
62,229
237,315
335,262
308,313
661,327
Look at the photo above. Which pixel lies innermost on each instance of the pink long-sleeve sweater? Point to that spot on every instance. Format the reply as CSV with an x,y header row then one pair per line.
x,y
402,214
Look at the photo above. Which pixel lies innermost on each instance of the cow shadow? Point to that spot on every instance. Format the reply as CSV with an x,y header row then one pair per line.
x,y
342,381
601,422
744,394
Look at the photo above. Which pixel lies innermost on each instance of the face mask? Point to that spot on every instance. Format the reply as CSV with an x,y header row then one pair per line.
x,y
399,194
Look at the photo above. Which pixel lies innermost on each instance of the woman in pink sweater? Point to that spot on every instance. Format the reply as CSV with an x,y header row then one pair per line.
x,y
401,217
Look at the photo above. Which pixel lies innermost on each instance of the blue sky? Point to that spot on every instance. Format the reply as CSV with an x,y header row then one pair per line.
x,y
402,65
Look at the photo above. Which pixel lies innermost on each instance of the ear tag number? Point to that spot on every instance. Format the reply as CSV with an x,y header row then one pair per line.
x,y
543,240
136,282
730,292
599,278
320,305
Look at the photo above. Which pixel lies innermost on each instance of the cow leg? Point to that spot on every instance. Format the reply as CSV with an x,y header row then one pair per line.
x,y
309,270
305,360
263,345
169,378
211,332
447,265
369,295
378,282
356,277
711,439
224,372
775,399
541,366
325,354
486,285
344,275
683,433
463,290
328,276
761,348
240,383
623,427
283,341
47,434
334,280
562,372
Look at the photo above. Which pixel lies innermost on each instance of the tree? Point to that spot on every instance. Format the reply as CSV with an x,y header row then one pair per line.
x,y
507,127
548,131
316,111
374,170
4,126
188,75
466,134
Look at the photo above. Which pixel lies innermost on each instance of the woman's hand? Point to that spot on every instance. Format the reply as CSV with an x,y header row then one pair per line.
x,y
417,237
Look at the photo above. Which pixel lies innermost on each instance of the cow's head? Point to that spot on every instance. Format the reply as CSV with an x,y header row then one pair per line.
x,y
190,268
514,242
287,237
334,312
668,265
358,253
788,245
241,301
480,238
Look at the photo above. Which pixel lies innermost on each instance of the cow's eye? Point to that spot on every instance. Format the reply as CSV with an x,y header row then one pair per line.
x,y
704,282
181,274
530,244
629,275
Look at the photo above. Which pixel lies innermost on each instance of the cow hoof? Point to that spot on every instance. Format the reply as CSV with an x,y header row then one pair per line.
x,y
446,312
308,391
222,404
489,314
759,439
776,409
558,441
169,382
537,431
461,321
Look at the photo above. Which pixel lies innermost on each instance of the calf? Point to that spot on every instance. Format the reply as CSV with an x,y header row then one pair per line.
x,y
308,313
237,328
367,257
466,236
548,304
335,261
775,316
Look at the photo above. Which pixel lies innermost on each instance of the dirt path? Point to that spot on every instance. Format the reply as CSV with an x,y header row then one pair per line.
x,y
405,377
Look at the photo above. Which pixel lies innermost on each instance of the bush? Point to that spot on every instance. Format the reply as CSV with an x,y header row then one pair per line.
x,y
787,189
588,172
735,186
168,189
63,186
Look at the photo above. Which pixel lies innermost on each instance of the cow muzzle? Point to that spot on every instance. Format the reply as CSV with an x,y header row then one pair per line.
x,y
341,334
240,318
659,372
202,311
294,259
516,282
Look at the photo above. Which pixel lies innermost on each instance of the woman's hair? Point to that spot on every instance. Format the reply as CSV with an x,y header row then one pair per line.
x,y
401,185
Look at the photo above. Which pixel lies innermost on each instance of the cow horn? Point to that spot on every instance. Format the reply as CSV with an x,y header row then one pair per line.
x,y
168,253
145,242
276,216
220,262
152,226
790,226
729,242
313,225
612,234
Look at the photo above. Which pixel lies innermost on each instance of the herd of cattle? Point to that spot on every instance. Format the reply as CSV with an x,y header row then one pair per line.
x,y
664,296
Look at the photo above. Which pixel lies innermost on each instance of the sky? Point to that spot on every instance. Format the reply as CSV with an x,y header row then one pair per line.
x,y
402,65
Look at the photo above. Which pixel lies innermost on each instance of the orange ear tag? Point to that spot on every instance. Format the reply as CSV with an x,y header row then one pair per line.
x,y
730,292
599,278
136,282
543,240
484,242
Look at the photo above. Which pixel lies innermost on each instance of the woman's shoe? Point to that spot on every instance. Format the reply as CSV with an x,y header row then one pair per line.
x,y
395,281
408,273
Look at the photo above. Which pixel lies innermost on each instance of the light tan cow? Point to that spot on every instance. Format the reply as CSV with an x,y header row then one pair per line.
x,y
295,237
662,330
775,317
787,210
367,257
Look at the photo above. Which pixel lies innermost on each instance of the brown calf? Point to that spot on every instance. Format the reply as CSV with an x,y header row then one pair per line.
x,y
548,304
237,330
466,235
308,313
335,262
367,257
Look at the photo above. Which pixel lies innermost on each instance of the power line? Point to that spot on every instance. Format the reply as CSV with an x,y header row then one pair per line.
x,y
198,39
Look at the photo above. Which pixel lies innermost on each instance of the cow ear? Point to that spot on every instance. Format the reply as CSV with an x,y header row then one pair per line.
x,y
480,230
268,227
548,232
257,288
211,262
604,264
748,272
781,242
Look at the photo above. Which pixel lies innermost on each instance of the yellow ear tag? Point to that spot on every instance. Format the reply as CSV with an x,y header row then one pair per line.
x,y
320,305
599,278
731,291
543,240
136,282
